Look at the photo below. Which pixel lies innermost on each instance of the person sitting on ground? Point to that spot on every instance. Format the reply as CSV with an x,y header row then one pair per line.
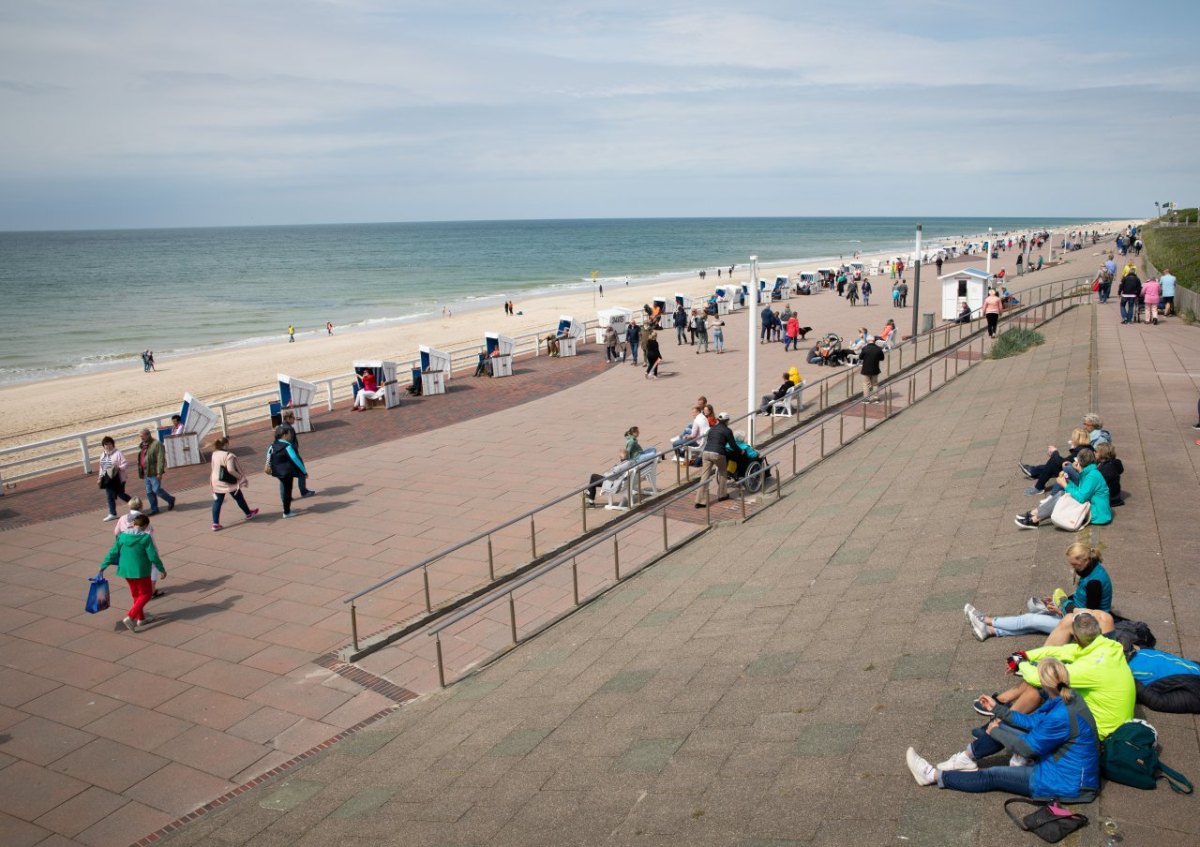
x,y
779,393
816,356
1163,681
1043,474
1095,429
369,390
1098,669
1093,590
1111,469
1056,749
1091,489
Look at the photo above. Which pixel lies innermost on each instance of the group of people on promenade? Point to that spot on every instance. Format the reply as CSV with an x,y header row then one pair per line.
x,y
1080,687
134,551
1141,302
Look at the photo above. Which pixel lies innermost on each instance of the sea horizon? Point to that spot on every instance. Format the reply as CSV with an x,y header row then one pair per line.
x,y
184,290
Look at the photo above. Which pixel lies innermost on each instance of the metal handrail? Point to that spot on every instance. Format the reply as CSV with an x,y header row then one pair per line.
x,y
530,515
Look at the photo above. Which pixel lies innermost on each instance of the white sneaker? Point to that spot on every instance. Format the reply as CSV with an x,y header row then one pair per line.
x,y
1035,605
975,619
922,771
1019,761
108,518
960,761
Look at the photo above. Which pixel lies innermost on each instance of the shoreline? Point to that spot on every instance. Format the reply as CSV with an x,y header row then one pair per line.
x,y
31,411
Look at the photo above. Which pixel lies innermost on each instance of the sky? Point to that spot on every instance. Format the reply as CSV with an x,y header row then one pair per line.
x,y
157,113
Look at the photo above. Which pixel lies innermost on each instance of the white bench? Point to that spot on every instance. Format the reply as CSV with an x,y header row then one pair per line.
x,y
789,404
628,486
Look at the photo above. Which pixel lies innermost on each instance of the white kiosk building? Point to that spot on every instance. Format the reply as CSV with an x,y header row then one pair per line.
x,y
969,285
617,318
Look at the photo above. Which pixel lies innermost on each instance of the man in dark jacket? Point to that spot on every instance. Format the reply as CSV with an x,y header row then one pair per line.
x,y
778,394
286,465
152,465
633,336
871,357
719,445
768,320
1130,291
680,323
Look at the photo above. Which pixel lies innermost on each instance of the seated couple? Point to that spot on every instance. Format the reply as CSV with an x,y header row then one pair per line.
x,y
1081,480
1069,699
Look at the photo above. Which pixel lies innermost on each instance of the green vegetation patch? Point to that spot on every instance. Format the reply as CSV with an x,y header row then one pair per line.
x,y
1014,341
1177,248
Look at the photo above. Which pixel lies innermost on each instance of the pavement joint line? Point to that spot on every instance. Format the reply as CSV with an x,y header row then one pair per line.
x,y
261,779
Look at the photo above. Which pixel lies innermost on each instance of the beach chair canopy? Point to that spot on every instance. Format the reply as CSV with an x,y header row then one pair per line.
x,y
196,417
500,344
385,371
433,359
722,293
683,300
568,327
294,391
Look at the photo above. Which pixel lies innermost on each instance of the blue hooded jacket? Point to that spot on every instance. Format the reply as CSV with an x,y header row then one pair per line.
x,y
1061,738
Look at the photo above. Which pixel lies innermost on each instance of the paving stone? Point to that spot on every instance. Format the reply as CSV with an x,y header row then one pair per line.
x,y
365,802
773,664
520,742
627,682
923,666
882,576
289,794
828,739
726,589
947,601
659,617
649,755
961,567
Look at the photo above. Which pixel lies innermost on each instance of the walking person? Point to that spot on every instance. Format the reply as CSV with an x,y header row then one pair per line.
x,y
866,292
680,322
993,305
1167,283
871,357
125,524
1130,291
1151,293
791,333
719,445
291,334
653,355
768,320
610,344
227,477
152,465
903,294
289,423
135,555
633,336
700,330
112,475
718,334
286,465
852,293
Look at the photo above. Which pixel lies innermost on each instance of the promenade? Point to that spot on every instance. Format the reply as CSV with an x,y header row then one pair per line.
x,y
747,679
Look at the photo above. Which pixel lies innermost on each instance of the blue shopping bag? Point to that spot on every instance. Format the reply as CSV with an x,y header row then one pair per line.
x,y
97,599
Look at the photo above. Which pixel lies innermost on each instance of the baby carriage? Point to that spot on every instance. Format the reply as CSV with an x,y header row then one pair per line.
x,y
832,350
749,467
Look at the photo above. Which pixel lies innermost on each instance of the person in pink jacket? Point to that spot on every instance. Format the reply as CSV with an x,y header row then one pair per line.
x,y
1151,294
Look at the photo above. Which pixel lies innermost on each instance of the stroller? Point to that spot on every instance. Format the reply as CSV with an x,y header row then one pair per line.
x,y
749,468
833,351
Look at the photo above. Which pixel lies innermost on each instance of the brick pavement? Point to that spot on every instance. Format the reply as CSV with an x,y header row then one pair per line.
x,y
760,686
233,683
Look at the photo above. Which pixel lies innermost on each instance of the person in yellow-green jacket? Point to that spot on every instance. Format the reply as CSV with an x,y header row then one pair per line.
x,y
134,554
1098,670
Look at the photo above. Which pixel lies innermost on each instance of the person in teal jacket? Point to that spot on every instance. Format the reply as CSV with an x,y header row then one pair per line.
x,y
134,554
1089,488
1057,746
286,465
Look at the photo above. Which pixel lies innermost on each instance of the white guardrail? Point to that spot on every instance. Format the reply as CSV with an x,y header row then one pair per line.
x,y
62,452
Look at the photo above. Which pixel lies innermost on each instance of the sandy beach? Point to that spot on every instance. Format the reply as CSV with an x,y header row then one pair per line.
x,y
32,411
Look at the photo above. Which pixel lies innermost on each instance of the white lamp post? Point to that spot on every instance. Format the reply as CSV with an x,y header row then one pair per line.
x,y
752,346
990,246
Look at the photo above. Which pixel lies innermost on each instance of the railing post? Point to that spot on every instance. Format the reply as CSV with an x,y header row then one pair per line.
x,y
708,503
666,541
616,559
931,378
532,537
794,440
945,371
841,430
83,452
583,509
354,626
224,419
822,440
425,576
441,665
901,351
329,394
956,363
512,616
491,560
742,489
575,579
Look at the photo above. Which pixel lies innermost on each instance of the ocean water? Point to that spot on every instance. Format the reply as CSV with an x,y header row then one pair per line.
x,y
74,301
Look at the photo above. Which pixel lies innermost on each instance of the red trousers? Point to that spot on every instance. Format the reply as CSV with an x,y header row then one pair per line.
x,y
142,590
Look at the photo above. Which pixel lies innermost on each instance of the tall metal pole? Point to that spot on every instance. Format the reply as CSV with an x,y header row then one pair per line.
x,y
990,246
752,346
917,283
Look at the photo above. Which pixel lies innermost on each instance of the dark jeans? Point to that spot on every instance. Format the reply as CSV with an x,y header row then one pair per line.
x,y
680,334
285,492
154,490
633,348
992,320
111,495
1128,308
1104,291
1011,780
219,498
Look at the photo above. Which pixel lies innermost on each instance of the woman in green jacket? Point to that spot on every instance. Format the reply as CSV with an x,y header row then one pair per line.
x,y
1089,488
134,554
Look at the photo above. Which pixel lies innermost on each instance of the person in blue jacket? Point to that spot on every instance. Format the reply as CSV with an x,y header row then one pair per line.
x,y
1165,682
1056,749
1090,488
286,466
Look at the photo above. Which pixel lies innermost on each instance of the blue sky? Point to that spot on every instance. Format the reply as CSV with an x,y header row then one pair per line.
x,y
136,113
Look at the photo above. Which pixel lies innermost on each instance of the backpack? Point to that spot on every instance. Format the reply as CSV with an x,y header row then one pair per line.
x,y
267,467
1130,756
1142,636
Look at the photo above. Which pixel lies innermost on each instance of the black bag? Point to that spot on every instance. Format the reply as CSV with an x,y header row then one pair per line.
x,y
1142,636
106,481
1051,822
225,476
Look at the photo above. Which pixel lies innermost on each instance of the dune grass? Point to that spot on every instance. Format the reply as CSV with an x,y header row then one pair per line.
x,y
1177,248
1014,341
